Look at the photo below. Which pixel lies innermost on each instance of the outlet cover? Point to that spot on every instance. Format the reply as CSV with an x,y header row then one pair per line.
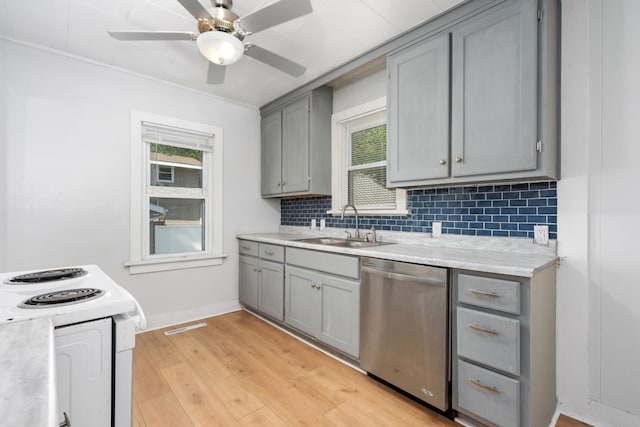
x,y
436,228
541,235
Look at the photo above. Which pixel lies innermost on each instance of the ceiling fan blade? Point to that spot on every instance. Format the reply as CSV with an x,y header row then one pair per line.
x,y
274,60
153,35
215,74
195,8
277,13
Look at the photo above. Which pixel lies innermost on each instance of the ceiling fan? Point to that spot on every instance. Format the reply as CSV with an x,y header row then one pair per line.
x,y
222,33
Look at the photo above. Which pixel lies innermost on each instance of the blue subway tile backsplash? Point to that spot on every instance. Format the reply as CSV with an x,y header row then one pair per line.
x,y
506,210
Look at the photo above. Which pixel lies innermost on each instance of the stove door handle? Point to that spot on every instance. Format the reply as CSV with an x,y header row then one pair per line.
x,y
142,320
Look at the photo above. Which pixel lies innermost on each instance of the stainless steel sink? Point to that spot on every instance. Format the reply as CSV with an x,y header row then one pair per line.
x,y
345,243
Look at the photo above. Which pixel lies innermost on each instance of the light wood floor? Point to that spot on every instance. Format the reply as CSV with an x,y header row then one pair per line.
x,y
241,371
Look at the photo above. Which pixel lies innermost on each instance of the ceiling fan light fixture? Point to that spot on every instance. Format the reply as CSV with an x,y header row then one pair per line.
x,y
219,47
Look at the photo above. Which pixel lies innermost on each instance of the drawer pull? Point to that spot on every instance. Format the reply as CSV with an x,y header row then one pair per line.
x,y
246,248
485,330
484,386
483,293
268,252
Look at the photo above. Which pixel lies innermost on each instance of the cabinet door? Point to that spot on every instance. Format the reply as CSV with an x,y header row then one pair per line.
x,y
295,147
419,112
494,89
301,300
271,294
340,314
248,281
271,172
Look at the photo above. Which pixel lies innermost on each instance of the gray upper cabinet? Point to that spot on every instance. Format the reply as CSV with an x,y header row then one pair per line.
x,y
466,102
296,146
418,114
494,92
271,129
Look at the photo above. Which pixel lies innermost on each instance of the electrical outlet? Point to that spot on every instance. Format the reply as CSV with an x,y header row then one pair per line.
x,y
541,234
436,228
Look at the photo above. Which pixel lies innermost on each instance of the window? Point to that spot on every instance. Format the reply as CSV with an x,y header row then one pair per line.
x,y
176,194
163,173
359,165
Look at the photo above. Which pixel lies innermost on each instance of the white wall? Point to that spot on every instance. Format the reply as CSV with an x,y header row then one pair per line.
x,y
65,156
598,213
366,89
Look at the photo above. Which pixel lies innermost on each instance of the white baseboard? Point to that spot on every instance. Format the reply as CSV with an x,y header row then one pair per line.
x,y
159,321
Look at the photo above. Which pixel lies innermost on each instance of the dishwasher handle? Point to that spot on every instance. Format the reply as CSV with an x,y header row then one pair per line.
x,y
428,280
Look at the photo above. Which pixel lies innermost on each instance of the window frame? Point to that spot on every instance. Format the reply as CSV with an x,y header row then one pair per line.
x,y
140,260
340,143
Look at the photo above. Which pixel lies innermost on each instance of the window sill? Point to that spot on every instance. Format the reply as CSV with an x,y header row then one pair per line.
x,y
372,212
173,263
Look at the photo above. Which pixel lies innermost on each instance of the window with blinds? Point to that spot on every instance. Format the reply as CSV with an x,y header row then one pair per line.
x,y
359,166
176,196
367,170
179,208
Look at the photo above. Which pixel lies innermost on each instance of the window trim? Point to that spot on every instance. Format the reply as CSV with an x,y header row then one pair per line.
x,y
139,261
339,139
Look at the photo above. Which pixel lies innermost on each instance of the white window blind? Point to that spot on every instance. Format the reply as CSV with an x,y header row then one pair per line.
x,y
154,133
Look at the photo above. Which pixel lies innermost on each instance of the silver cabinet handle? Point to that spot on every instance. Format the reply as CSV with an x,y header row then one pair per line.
x,y
278,184
483,293
477,383
484,330
443,162
66,422
458,159
284,183
246,248
268,252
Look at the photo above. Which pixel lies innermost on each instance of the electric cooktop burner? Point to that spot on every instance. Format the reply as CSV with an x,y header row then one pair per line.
x,y
48,276
64,297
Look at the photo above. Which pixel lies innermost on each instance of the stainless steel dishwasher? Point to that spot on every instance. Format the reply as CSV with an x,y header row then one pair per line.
x,y
404,328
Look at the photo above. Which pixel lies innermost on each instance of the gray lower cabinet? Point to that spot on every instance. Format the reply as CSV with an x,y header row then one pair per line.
x,y
296,146
501,71
503,364
324,305
261,278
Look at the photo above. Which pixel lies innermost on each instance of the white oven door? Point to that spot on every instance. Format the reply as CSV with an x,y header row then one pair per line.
x,y
83,372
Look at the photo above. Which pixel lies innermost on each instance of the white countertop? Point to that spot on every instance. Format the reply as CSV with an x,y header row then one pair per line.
x,y
27,372
516,257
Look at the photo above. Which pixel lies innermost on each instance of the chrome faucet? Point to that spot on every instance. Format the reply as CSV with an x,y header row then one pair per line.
x,y
356,212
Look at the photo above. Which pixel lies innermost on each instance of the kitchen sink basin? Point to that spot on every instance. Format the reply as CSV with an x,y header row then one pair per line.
x,y
345,243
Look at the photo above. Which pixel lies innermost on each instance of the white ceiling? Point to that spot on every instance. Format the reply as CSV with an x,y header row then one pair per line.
x,y
336,31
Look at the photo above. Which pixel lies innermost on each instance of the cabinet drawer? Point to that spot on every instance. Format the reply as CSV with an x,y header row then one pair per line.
x,y
247,247
488,395
271,252
341,265
497,294
489,339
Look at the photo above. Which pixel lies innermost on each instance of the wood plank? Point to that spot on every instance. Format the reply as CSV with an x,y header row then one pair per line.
x,y
164,410
136,418
217,377
164,353
201,405
147,381
565,421
263,417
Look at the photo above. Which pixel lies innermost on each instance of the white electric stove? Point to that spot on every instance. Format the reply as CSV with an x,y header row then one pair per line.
x,y
95,323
